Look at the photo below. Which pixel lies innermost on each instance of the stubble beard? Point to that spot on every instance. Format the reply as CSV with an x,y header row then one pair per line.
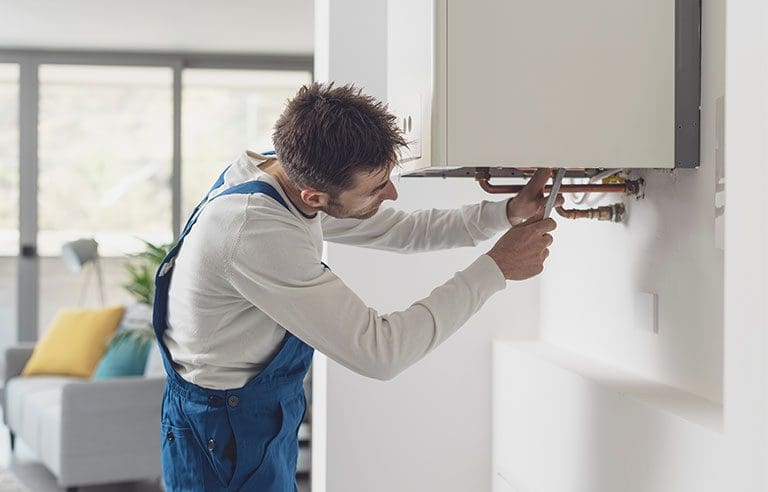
x,y
335,209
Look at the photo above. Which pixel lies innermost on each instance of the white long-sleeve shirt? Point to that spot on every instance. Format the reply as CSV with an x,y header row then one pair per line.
x,y
250,269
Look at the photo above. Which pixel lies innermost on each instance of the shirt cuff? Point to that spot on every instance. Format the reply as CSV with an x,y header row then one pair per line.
x,y
495,216
487,273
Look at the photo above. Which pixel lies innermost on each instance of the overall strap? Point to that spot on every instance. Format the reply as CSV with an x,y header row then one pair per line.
x,y
251,187
220,181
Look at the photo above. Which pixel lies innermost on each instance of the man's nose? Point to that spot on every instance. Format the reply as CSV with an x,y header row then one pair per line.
x,y
390,193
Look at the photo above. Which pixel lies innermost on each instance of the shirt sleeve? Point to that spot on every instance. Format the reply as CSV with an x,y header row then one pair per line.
x,y
275,267
423,230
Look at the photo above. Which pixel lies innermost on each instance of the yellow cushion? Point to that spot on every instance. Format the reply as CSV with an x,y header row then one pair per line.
x,y
75,342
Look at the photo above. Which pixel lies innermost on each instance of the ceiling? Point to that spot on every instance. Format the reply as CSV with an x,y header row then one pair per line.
x,y
233,26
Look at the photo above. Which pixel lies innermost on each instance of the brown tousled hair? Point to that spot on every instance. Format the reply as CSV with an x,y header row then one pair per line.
x,y
327,134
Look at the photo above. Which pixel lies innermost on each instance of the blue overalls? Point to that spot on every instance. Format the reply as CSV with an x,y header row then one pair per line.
x,y
236,439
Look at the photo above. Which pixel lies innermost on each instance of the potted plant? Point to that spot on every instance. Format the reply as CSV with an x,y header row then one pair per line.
x,y
141,269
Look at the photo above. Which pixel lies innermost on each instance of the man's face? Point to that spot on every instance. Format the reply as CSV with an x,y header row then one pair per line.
x,y
364,198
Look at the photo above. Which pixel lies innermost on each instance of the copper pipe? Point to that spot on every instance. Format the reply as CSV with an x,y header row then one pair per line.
x,y
613,212
566,188
628,187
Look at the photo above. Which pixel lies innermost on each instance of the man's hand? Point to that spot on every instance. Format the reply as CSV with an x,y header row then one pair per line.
x,y
531,201
520,253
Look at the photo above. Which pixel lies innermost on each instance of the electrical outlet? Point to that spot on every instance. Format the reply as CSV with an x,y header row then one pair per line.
x,y
646,312
409,121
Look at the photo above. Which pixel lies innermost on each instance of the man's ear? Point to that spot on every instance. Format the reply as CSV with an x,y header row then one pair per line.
x,y
315,198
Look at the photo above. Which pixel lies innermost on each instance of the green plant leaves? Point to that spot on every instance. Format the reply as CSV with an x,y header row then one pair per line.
x,y
141,269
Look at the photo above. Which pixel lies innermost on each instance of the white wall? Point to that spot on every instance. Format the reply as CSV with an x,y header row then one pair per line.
x,y
746,239
614,433
246,26
566,423
617,432
667,247
430,428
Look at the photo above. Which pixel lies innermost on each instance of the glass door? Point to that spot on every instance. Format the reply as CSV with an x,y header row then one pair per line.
x,y
105,162
9,204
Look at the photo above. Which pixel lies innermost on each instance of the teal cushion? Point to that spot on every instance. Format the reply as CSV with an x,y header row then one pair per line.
x,y
126,356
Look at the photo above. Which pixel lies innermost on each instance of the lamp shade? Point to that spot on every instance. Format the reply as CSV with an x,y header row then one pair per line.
x,y
78,253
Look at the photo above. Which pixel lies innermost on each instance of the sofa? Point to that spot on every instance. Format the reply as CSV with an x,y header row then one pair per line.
x,y
84,431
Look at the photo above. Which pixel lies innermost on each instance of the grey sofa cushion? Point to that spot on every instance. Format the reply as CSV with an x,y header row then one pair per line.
x,y
34,413
27,397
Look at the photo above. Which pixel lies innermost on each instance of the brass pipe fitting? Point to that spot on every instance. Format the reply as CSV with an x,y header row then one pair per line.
x,y
614,213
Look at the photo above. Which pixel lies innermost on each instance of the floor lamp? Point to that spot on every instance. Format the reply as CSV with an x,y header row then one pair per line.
x,y
77,255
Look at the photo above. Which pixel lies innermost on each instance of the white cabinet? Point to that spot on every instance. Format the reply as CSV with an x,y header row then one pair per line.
x,y
555,83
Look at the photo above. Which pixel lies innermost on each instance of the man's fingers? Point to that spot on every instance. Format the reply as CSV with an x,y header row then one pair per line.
x,y
546,225
538,181
533,218
559,201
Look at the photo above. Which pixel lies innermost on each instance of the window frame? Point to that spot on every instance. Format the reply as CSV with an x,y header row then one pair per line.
x,y
29,61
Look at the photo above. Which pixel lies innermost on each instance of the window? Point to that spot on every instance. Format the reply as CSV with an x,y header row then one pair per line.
x,y
225,112
104,149
105,156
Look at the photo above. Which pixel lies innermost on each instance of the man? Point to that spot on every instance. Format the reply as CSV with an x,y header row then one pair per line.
x,y
241,306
